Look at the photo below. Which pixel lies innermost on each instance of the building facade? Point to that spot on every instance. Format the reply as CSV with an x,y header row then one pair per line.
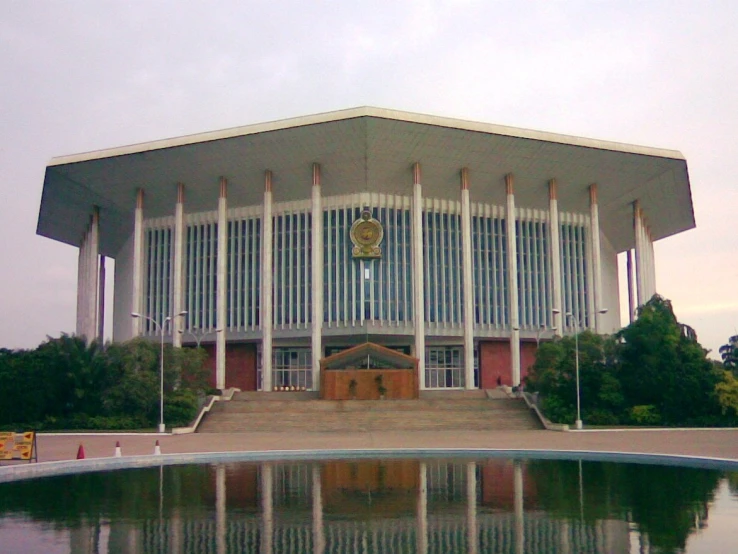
x,y
460,243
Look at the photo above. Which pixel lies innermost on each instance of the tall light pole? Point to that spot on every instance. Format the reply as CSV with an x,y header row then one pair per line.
x,y
576,357
199,336
160,330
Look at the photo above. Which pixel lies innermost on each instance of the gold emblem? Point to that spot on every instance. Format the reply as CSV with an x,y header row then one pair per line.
x,y
367,235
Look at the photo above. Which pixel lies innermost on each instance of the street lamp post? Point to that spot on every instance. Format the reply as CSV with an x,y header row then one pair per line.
x,y
576,357
160,329
199,336
542,329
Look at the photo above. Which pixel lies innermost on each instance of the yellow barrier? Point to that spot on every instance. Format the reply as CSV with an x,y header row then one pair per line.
x,y
18,446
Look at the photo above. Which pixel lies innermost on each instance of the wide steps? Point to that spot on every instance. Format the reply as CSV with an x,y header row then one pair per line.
x,y
324,406
274,413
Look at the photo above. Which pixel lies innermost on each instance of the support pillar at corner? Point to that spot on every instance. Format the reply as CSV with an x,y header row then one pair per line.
x,y
138,243
266,285
466,245
179,230
220,299
418,284
512,265
596,255
555,247
317,276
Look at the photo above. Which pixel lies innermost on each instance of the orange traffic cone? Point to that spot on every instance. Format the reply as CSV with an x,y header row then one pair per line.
x,y
157,448
81,452
118,452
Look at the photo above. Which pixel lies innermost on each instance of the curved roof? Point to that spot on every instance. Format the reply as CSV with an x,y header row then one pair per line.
x,y
365,149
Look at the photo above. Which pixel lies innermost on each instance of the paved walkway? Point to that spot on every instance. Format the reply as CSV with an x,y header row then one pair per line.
x,y
708,443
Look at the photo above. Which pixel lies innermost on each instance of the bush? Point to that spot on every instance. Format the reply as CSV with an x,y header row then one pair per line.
x,y
601,417
645,415
180,408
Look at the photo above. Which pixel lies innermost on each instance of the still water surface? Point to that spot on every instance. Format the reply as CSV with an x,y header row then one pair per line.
x,y
372,506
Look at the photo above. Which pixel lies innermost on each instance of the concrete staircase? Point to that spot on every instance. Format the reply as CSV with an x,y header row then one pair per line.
x,y
304,412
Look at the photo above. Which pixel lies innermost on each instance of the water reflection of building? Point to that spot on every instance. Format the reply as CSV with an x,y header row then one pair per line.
x,y
368,506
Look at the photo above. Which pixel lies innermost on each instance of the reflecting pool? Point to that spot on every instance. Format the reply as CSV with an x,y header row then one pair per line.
x,y
375,506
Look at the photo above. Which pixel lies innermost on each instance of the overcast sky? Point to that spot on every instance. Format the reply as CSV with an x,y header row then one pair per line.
x,y
78,76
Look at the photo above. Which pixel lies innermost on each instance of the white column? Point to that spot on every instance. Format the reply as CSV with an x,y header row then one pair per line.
x,y
179,230
466,252
220,509
138,246
644,257
266,285
92,271
512,264
422,510
267,509
555,248
220,299
418,284
594,235
318,532
519,515
471,509
101,301
649,253
317,276
564,545
638,232
631,299
79,329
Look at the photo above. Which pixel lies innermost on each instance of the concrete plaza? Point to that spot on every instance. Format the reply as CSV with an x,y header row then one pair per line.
x,y
702,443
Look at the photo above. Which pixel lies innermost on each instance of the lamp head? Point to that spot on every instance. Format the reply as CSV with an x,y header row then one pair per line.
x,y
135,314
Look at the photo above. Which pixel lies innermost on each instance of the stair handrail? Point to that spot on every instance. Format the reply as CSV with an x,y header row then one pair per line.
x,y
531,400
210,400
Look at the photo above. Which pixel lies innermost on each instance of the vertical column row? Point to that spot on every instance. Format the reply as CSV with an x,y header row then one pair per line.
x,y
489,248
534,287
575,271
244,273
292,269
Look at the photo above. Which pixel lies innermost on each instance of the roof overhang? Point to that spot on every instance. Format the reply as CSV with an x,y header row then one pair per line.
x,y
372,150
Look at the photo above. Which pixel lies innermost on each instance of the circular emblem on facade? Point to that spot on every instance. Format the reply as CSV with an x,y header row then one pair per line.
x,y
367,235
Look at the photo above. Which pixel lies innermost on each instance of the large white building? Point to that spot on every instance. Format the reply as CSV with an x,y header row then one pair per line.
x,y
470,242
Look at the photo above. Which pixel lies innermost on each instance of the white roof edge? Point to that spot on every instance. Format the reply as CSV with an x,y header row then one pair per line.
x,y
327,117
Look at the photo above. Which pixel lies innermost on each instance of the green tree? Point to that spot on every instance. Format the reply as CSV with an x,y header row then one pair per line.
x,y
65,383
729,353
553,375
727,393
661,367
